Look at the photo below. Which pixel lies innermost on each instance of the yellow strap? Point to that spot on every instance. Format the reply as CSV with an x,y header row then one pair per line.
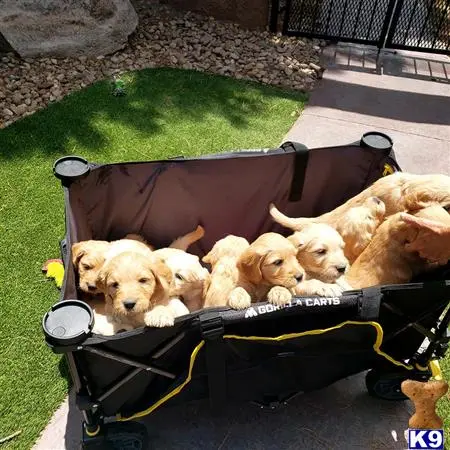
x,y
376,345
178,389
171,394
92,433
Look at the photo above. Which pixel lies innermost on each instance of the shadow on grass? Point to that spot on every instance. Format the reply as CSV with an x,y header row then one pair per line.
x,y
156,99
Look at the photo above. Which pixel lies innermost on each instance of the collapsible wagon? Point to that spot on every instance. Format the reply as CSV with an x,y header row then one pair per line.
x,y
218,353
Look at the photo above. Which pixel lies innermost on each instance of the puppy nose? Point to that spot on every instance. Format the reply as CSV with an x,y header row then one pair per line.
x,y
91,287
341,269
299,277
129,304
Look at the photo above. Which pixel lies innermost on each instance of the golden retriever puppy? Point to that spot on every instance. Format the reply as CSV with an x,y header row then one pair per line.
x,y
386,259
137,291
356,225
400,192
189,276
320,251
89,256
268,268
87,259
224,274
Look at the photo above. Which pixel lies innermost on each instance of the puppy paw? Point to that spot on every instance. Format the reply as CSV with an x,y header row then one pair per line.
x,y
279,295
342,283
177,307
103,326
330,290
103,330
316,287
159,317
239,299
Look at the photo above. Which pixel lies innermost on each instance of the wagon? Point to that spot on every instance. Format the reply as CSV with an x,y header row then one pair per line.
x,y
263,354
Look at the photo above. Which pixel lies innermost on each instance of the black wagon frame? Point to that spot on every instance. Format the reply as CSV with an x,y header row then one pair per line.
x,y
215,353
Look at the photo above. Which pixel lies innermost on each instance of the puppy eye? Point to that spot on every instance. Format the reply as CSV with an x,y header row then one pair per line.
x,y
179,277
115,285
278,262
322,251
143,280
87,267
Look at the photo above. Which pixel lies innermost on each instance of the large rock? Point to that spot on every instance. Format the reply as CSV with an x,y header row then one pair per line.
x,y
67,27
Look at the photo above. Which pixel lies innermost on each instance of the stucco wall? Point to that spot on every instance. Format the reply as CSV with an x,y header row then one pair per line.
x,y
252,14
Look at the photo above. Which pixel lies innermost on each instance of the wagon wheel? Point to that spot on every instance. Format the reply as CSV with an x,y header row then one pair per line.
x,y
386,385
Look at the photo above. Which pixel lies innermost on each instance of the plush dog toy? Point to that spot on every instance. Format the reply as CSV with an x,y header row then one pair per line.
x,y
54,268
425,396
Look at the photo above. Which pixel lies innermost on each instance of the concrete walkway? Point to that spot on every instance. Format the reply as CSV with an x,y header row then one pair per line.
x,y
352,98
341,416
406,104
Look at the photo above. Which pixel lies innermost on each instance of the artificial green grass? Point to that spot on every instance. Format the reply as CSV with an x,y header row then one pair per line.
x,y
443,408
165,113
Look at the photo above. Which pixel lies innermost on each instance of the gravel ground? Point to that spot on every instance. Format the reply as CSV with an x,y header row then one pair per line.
x,y
164,37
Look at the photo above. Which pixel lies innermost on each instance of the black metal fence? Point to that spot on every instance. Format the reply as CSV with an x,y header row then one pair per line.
x,y
421,25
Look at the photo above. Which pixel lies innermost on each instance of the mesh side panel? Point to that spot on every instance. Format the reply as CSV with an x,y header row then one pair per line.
x,y
352,19
411,24
424,24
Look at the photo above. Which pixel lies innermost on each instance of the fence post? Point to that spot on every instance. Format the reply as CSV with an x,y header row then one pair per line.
x,y
274,11
393,10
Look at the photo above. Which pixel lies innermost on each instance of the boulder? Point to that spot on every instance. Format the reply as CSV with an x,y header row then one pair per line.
x,y
67,28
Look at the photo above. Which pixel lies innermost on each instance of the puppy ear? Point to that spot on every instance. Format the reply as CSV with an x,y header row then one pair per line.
x,y
297,241
419,222
249,264
78,251
209,257
102,278
163,279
